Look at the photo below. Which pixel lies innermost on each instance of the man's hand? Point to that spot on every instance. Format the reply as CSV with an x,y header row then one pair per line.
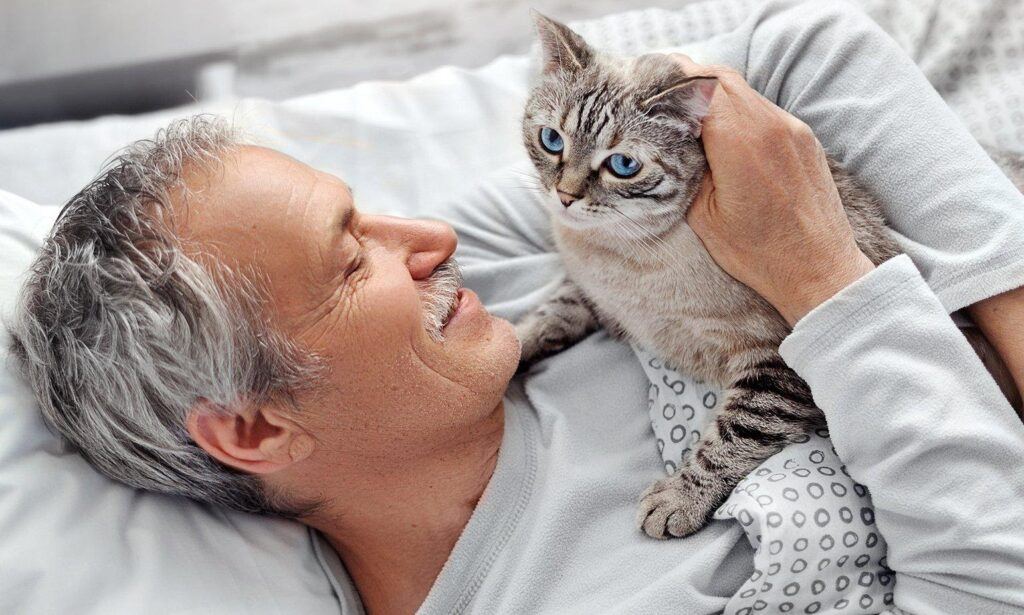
x,y
1001,319
769,212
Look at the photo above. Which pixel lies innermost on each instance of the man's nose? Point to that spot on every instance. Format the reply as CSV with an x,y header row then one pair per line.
x,y
426,243
567,199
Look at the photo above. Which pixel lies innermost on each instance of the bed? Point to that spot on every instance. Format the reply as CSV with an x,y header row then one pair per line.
x,y
72,541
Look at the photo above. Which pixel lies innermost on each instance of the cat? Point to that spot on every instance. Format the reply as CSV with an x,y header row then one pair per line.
x,y
617,139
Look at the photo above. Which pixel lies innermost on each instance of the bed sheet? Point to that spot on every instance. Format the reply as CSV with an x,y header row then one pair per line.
x,y
401,145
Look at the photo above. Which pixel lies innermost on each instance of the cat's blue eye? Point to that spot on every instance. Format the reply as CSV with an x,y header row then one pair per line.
x,y
551,141
622,166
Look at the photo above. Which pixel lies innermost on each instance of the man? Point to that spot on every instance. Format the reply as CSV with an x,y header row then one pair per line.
x,y
221,322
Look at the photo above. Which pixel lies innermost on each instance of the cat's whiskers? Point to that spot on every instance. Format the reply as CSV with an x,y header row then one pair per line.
x,y
654,243
639,241
621,234
634,244
628,226
641,238
661,243
530,181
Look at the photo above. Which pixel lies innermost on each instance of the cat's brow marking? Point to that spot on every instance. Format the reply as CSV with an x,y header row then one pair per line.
x,y
586,102
599,98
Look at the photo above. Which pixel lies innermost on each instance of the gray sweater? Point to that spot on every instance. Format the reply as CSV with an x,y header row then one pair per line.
x,y
912,412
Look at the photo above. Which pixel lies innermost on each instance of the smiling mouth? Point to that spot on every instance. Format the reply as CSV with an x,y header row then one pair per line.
x,y
456,302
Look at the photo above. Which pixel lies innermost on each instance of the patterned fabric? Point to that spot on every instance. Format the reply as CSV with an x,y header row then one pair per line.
x,y
812,525
818,549
972,51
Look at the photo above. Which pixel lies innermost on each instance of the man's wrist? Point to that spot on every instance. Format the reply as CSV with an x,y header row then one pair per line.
x,y
817,289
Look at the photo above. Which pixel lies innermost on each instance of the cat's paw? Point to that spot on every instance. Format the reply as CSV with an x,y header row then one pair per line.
x,y
674,507
531,349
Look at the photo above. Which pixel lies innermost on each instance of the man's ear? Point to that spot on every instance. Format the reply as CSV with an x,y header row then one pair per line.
x,y
253,439
561,48
683,97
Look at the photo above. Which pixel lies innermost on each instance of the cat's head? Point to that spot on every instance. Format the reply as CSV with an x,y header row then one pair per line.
x,y
614,138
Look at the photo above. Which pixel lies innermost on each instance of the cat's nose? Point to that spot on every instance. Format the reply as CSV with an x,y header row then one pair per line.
x,y
567,199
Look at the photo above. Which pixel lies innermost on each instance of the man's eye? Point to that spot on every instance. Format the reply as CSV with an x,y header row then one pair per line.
x,y
356,264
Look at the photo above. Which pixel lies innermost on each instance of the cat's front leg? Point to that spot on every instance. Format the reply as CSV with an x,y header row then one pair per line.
x,y
769,407
561,321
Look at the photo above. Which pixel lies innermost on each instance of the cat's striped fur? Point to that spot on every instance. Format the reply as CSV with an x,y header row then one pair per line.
x,y
635,267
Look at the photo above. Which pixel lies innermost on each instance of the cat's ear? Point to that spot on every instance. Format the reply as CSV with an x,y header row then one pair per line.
x,y
687,98
561,48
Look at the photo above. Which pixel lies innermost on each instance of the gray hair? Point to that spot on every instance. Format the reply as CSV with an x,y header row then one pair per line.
x,y
120,333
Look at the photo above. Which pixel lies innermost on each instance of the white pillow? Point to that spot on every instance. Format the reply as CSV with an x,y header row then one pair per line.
x,y
72,541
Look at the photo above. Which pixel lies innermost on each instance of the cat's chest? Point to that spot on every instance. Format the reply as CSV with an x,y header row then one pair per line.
x,y
670,274
676,301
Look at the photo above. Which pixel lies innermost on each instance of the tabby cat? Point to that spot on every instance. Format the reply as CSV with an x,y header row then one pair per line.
x,y
618,140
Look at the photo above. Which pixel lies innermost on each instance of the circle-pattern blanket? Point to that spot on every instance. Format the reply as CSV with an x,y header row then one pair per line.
x,y
812,526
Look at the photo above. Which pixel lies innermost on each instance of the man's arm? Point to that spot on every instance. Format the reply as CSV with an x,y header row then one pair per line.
x,y
911,410
961,219
928,433
916,419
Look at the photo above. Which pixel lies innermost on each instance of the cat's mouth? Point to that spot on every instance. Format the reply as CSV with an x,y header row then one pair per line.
x,y
581,215
581,220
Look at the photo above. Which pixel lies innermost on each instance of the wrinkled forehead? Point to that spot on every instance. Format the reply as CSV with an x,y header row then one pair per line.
x,y
262,211
272,218
254,190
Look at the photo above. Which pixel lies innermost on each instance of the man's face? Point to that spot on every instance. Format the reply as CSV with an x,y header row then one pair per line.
x,y
347,285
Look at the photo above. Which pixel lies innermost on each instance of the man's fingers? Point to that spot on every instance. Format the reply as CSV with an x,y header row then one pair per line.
x,y
694,69
728,78
725,75
701,205
737,109
732,95
734,98
720,110
796,125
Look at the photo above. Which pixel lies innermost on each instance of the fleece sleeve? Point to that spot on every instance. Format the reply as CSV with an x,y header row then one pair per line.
x,y
916,418
958,216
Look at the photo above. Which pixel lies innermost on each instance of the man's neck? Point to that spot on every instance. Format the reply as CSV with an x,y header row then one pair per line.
x,y
397,538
